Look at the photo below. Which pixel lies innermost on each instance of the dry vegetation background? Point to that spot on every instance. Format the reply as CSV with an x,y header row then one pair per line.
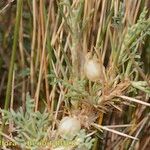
x,y
44,46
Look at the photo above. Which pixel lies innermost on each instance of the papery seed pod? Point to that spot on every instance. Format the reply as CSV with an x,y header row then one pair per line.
x,y
93,68
69,127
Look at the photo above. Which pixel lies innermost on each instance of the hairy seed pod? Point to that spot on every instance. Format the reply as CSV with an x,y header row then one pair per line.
x,y
93,68
69,127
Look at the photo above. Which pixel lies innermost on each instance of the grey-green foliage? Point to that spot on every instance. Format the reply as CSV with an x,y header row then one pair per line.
x,y
30,126
24,72
141,85
95,92
84,141
73,19
79,89
135,35
76,90
138,31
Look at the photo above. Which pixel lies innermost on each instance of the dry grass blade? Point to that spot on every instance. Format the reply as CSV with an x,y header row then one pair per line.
x,y
113,131
119,126
5,4
134,100
139,130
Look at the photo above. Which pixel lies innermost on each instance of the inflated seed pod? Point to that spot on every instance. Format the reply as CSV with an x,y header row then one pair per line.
x,y
93,68
69,127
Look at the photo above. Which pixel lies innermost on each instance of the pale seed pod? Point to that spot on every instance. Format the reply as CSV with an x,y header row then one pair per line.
x,y
69,127
93,69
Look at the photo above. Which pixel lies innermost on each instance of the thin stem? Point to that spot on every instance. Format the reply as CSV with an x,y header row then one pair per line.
x,y
13,56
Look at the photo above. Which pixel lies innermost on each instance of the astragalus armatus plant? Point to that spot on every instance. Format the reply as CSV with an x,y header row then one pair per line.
x,y
86,62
